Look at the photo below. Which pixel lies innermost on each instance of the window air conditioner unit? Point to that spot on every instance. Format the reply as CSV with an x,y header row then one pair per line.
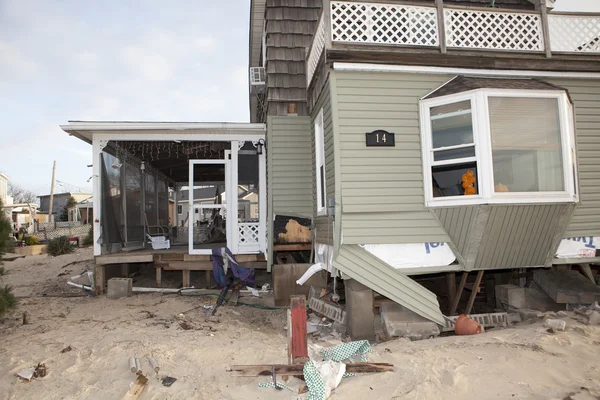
x,y
258,78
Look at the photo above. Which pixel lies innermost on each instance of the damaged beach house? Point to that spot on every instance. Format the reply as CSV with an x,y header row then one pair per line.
x,y
406,152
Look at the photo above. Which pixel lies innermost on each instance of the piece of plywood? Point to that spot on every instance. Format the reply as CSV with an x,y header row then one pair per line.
x,y
136,390
284,281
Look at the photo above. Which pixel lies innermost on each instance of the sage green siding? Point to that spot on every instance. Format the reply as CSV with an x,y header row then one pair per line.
x,y
323,224
369,270
505,236
289,166
586,98
382,187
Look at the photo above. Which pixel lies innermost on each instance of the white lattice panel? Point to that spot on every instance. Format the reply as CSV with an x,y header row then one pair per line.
x,y
249,233
316,50
571,33
493,30
384,24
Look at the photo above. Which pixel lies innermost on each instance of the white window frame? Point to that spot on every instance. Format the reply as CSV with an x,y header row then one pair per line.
x,y
483,150
321,182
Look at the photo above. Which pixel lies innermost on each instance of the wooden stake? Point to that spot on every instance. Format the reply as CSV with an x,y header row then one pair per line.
x,y
451,285
461,288
474,292
587,271
297,334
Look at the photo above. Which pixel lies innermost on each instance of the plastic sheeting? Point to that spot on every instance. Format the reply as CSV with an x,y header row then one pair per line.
x,y
412,255
578,247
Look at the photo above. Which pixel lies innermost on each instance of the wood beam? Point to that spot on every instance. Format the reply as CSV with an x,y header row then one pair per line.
x,y
474,292
297,369
451,285
587,271
297,331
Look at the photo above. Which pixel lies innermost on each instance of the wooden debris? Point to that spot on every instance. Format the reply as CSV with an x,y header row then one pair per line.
x,y
297,339
296,369
25,318
136,390
40,371
66,349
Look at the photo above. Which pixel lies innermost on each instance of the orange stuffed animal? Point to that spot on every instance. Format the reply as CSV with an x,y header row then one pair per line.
x,y
468,183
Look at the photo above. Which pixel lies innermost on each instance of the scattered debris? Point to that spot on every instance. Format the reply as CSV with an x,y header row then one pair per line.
x,y
132,366
556,324
25,318
467,326
153,364
297,369
66,349
26,374
168,381
148,314
135,391
40,371
138,366
185,326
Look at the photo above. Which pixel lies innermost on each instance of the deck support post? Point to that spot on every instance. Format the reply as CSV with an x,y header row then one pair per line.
x,y
451,285
186,278
461,288
158,276
99,279
587,271
474,292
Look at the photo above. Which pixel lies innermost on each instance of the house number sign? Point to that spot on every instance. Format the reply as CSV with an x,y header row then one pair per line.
x,y
381,138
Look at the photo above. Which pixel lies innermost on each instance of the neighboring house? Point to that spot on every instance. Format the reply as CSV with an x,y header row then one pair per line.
x,y
418,138
4,189
59,201
83,211
435,137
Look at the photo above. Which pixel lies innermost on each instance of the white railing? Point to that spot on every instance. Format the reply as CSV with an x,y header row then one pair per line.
x,y
316,50
492,30
249,238
574,33
383,24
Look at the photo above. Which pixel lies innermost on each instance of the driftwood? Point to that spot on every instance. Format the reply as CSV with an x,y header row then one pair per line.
x,y
136,390
296,369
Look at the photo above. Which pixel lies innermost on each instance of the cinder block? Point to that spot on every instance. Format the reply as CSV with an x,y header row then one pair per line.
x,y
359,311
119,287
398,321
510,295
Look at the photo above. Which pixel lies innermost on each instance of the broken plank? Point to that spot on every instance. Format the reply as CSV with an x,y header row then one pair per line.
x,y
296,369
136,390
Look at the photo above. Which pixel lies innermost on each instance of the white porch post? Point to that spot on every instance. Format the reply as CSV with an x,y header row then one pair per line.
x,y
191,208
97,146
233,206
262,201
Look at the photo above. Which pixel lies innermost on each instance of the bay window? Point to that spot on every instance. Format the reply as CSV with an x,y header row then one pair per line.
x,y
498,146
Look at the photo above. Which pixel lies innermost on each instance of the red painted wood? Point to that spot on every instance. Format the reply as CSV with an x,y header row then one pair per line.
x,y
298,340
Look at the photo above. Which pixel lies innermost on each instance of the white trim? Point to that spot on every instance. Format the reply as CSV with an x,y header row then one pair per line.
x,y
96,193
483,149
262,201
178,126
460,71
320,181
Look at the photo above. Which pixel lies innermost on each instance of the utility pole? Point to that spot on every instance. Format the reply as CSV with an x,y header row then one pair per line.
x,y
50,218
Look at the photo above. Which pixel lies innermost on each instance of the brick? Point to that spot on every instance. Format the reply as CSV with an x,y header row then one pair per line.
x,y
398,321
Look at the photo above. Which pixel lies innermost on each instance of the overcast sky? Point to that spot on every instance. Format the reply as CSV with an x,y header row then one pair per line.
x,y
151,60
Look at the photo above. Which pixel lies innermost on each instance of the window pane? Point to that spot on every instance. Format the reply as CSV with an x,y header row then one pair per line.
x,y
451,124
526,144
464,152
455,180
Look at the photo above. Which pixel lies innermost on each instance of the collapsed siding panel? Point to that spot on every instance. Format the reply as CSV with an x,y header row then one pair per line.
x,y
586,98
289,166
382,187
323,224
377,275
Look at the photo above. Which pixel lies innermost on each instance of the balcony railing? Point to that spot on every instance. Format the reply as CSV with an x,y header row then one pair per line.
x,y
350,22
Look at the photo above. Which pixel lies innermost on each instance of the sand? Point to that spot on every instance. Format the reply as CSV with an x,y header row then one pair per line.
x,y
524,362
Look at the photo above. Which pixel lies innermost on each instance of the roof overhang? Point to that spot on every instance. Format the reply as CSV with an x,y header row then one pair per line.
x,y
160,131
257,21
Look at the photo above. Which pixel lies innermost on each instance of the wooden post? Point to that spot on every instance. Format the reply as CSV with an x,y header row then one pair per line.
x,y
545,28
451,285
461,288
50,218
158,276
474,292
186,278
587,271
298,342
208,279
99,279
441,25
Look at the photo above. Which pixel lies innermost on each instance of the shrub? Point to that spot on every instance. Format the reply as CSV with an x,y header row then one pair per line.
x,y
60,246
7,299
31,240
88,240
